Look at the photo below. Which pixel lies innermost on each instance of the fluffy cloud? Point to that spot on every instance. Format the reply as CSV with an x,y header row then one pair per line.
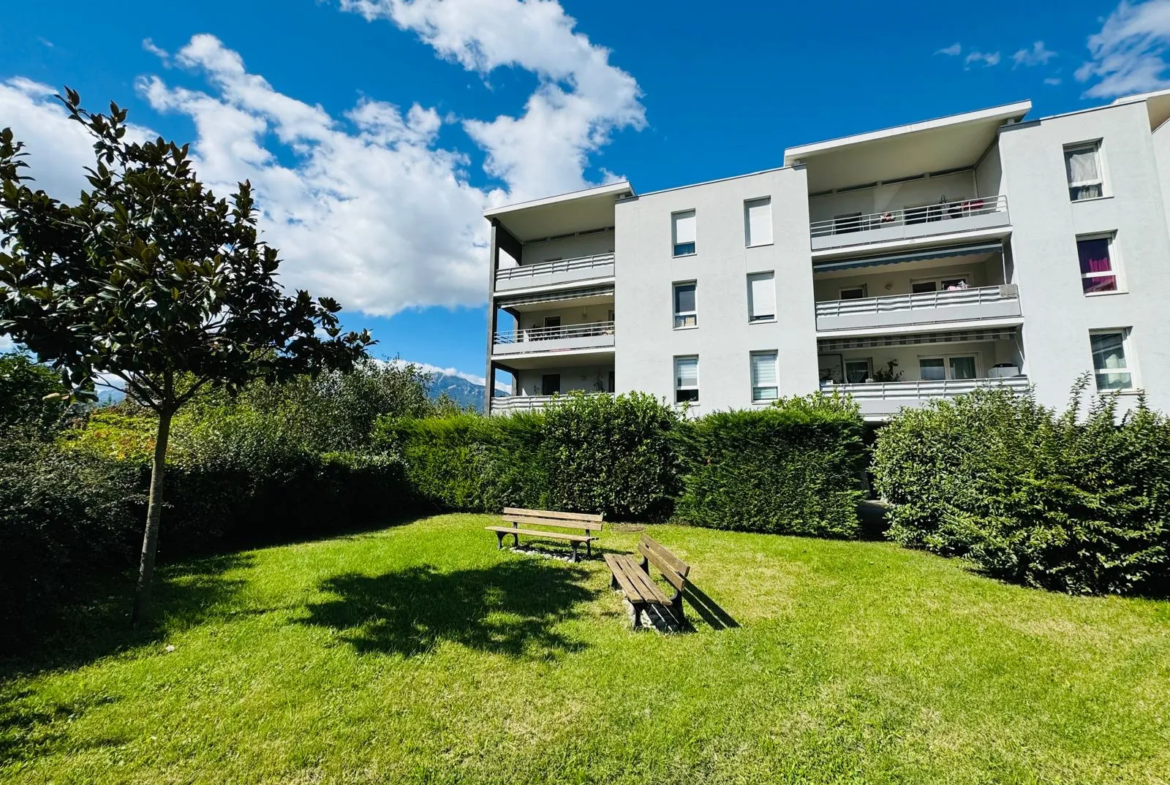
x,y
580,101
1037,55
6,344
1127,51
437,371
987,58
954,50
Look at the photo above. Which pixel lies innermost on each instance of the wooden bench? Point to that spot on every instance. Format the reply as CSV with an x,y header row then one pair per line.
x,y
639,588
583,523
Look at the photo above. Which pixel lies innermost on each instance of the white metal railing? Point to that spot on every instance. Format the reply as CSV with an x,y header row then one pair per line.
x,y
559,266
524,403
594,329
923,389
917,302
907,216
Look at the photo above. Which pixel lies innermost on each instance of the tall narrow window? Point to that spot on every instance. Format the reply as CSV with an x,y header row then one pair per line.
x,y
1109,362
761,297
764,377
550,384
686,379
683,230
757,221
1082,165
1097,273
685,314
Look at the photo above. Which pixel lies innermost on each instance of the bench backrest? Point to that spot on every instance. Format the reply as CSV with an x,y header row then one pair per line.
x,y
674,569
582,521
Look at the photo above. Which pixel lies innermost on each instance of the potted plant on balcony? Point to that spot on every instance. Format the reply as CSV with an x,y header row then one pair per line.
x,y
888,374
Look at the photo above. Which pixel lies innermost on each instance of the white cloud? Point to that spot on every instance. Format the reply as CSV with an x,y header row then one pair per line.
x,y
581,100
1053,80
1127,51
954,50
157,51
6,344
437,371
1037,55
987,58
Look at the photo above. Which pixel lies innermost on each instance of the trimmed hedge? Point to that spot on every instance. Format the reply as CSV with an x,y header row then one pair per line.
x,y
1074,503
791,468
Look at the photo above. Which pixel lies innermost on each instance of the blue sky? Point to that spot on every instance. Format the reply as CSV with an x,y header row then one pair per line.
x,y
378,130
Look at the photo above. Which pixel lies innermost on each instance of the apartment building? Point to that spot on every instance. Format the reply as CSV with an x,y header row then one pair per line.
x,y
896,266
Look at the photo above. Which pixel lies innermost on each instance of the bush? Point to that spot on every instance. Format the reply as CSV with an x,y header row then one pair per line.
x,y
1058,501
791,468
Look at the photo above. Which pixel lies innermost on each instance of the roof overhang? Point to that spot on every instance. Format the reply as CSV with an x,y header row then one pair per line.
x,y
1157,105
961,253
554,216
945,144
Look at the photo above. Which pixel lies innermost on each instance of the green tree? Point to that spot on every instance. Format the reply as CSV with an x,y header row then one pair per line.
x,y
151,278
30,395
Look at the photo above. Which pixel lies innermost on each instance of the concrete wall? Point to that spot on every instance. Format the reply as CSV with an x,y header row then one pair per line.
x,y
913,193
646,339
568,247
1045,227
989,174
585,378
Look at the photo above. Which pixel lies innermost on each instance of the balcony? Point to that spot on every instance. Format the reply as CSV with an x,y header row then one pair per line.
x,y
908,223
525,403
541,340
985,302
879,400
555,273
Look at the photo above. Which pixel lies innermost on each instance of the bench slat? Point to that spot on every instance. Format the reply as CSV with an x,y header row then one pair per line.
x,y
649,588
549,535
619,566
667,570
675,563
558,523
568,516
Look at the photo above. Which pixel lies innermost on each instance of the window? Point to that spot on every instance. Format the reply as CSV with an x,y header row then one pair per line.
x,y
1097,273
764,377
684,233
761,297
854,292
612,383
550,384
937,369
686,379
757,221
857,371
1110,366
552,321
684,306
946,284
849,222
1082,165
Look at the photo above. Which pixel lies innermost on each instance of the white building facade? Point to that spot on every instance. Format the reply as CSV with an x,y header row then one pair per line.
x,y
896,266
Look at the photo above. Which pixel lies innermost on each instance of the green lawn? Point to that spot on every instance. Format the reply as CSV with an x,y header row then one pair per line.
x,y
422,654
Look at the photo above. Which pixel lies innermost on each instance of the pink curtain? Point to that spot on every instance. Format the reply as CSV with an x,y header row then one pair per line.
x,y
1094,256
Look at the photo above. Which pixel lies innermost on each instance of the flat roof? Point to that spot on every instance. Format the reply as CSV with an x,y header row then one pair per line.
x,y
939,145
578,211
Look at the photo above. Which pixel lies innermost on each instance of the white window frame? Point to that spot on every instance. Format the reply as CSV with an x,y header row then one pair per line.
x,y
775,355
694,315
749,241
1095,147
1127,353
946,358
680,388
868,368
752,318
674,243
861,286
1114,264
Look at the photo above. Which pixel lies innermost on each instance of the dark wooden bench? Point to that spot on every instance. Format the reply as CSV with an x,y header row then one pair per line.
x,y
582,523
633,578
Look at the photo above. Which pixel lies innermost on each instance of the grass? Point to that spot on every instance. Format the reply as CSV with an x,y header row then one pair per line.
x,y
422,654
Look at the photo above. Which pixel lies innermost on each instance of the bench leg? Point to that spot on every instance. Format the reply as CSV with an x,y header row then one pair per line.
x,y
499,541
516,540
576,558
676,607
589,549
613,584
637,615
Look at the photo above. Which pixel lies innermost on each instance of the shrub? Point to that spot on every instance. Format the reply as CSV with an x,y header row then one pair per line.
x,y
791,468
1077,504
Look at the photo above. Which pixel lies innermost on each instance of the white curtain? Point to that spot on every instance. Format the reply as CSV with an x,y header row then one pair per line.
x,y
758,220
1081,166
762,296
684,227
686,371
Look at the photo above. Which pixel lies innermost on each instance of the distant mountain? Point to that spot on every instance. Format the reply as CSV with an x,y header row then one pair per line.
x,y
460,390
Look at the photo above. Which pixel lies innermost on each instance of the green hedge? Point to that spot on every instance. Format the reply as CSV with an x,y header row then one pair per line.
x,y
1077,502
791,468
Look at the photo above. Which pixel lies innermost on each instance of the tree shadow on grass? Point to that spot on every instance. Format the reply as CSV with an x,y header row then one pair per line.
x,y
510,608
98,623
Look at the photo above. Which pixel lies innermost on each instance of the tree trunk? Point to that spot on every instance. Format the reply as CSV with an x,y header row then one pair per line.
x,y
153,517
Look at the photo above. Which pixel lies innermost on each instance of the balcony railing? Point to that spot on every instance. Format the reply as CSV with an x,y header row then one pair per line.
x,y
910,216
601,264
524,403
569,331
947,388
901,303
